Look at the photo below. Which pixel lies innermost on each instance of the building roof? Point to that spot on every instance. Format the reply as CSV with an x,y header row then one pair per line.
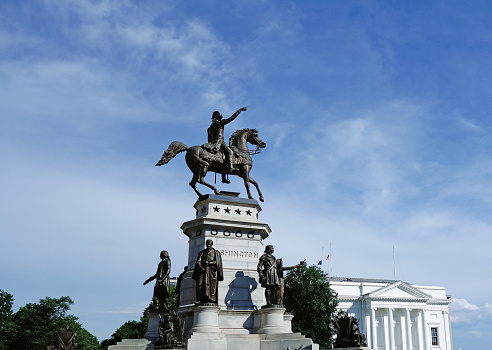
x,y
355,279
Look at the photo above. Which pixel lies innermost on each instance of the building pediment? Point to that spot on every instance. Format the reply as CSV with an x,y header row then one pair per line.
x,y
398,290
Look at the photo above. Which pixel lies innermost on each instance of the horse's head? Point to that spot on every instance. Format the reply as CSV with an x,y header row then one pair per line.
x,y
254,139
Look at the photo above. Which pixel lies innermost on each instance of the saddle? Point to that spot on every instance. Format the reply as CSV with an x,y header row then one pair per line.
x,y
211,153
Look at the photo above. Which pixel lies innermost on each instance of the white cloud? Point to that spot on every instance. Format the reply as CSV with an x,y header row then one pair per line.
x,y
464,312
475,333
122,61
468,124
463,304
67,91
373,152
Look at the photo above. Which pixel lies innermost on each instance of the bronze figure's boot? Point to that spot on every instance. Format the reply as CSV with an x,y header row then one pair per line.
x,y
225,180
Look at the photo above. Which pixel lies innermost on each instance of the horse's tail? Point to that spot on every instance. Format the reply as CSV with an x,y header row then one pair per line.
x,y
174,148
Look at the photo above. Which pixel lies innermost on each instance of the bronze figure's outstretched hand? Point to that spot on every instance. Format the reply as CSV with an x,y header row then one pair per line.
x,y
148,280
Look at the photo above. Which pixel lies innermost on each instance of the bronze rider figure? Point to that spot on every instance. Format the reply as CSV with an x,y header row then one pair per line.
x,y
216,139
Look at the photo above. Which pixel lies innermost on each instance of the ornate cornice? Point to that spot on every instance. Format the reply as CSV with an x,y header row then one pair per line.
x,y
417,293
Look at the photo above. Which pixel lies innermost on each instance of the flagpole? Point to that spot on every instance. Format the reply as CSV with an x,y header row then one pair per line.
x,y
331,270
394,263
322,255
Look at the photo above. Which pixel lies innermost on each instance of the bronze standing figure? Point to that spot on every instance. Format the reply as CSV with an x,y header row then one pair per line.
x,y
162,284
207,274
271,275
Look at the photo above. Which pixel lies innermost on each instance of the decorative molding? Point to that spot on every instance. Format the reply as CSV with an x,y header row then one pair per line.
x,y
417,293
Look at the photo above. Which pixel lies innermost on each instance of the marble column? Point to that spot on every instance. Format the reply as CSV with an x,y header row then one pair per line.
x,y
362,322
391,329
374,335
425,329
367,327
386,329
409,328
445,326
420,327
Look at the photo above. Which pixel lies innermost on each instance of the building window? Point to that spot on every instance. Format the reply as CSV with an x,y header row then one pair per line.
x,y
434,336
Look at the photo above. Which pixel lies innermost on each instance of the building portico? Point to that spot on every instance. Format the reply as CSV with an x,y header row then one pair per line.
x,y
395,315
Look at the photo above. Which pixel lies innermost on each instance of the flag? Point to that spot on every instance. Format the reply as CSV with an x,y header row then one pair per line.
x,y
328,257
320,262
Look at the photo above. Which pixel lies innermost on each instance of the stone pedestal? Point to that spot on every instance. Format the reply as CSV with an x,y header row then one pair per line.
x,y
238,321
205,333
233,225
205,319
153,327
288,322
272,320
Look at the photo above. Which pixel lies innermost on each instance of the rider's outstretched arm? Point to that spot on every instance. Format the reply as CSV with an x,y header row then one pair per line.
x,y
234,116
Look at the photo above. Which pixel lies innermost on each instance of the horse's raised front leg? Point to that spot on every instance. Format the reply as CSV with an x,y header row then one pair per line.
x,y
257,188
203,182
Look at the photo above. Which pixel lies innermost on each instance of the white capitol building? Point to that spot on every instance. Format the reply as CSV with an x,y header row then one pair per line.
x,y
395,315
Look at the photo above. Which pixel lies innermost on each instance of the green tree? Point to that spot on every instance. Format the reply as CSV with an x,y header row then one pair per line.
x,y
35,325
6,314
314,304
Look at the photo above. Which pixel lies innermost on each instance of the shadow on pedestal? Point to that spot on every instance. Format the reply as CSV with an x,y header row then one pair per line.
x,y
241,298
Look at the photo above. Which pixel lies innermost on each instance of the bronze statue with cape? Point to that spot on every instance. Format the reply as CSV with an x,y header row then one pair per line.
x,y
207,274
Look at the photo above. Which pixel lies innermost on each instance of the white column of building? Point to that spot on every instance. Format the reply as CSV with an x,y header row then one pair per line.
x,y
391,329
420,328
374,335
447,335
426,330
362,322
409,328
367,327
386,332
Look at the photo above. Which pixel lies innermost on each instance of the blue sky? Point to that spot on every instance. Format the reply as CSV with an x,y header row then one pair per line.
x,y
376,116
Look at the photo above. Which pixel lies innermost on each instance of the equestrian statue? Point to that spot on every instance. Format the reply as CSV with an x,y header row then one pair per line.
x,y
217,156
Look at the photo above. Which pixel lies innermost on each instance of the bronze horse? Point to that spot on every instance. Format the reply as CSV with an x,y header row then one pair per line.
x,y
200,161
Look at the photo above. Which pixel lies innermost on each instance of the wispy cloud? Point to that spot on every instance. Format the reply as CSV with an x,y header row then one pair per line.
x,y
463,312
468,124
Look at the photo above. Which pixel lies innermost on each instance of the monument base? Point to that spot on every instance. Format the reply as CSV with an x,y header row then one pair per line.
x,y
279,341
133,344
274,332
